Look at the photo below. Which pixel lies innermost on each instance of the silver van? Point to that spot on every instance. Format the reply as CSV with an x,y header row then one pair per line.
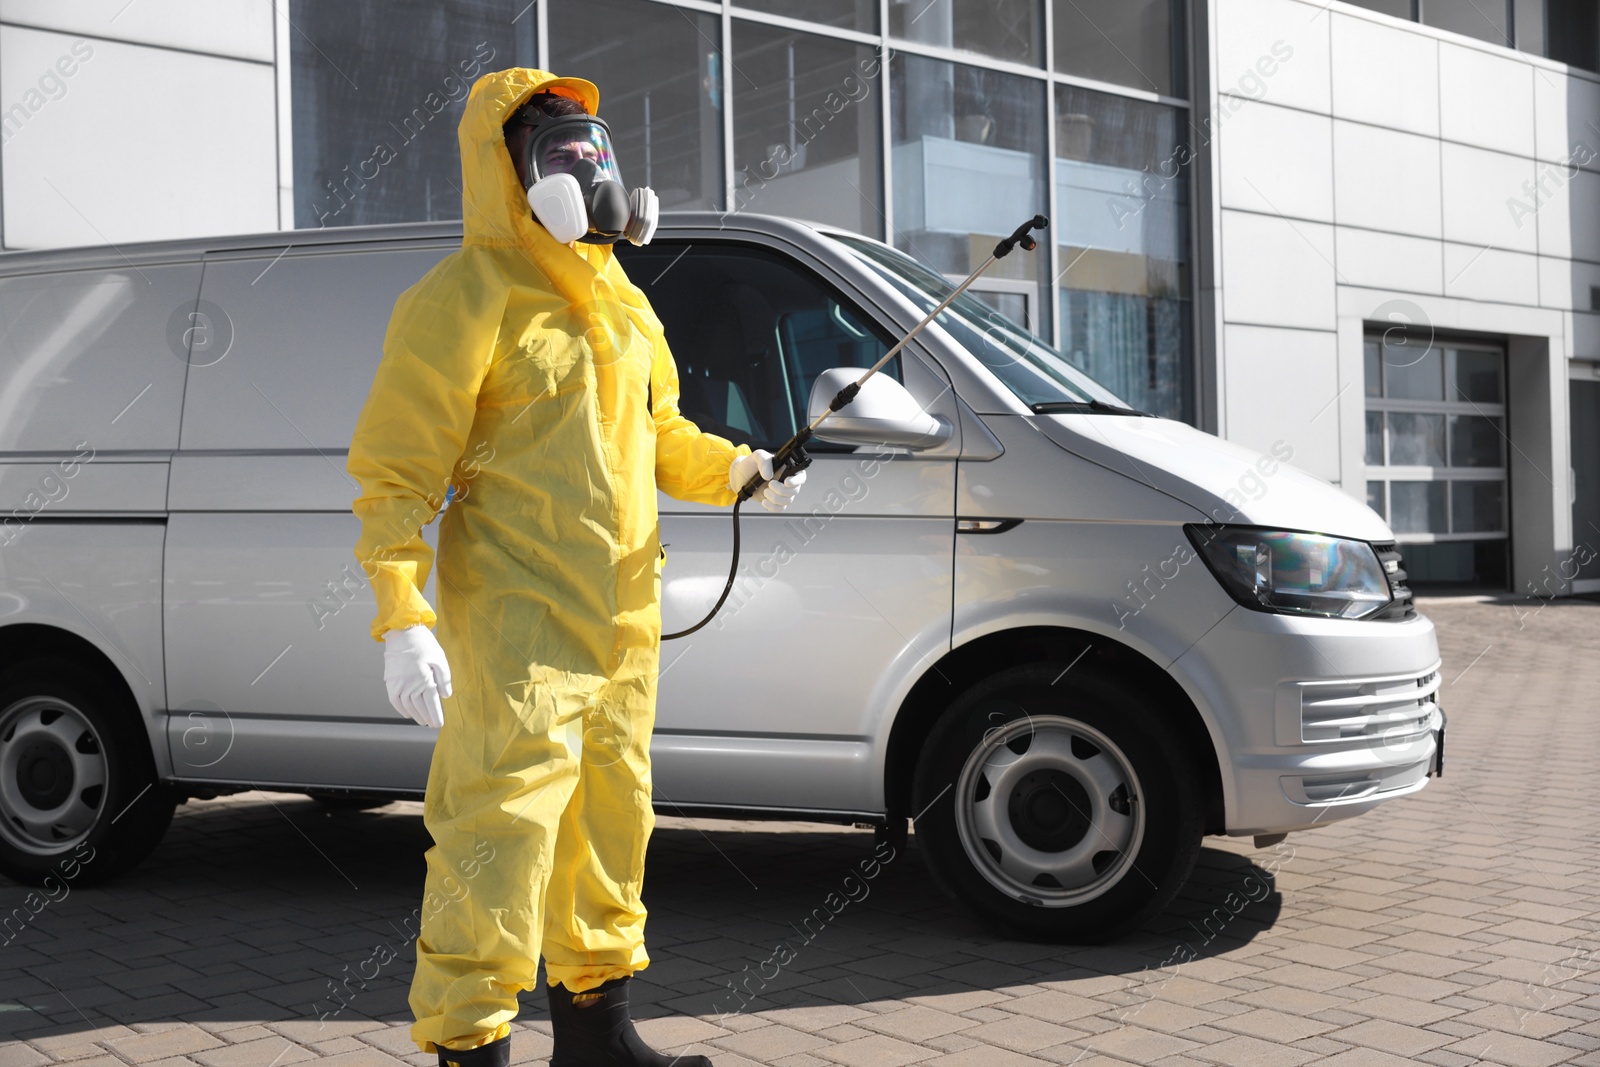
x,y
1062,639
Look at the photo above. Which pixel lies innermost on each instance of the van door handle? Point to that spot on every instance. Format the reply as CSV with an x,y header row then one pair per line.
x,y
986,526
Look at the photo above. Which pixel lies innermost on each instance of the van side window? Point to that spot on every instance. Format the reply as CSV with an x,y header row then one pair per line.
x,y
307,329
750,330
94,360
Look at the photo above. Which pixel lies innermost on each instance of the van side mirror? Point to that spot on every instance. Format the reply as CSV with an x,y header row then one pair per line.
x,y
882,413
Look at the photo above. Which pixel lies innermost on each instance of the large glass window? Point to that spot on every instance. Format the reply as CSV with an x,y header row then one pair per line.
x,y
1400,9
860,15
807,132
1571,32
968,169
1566,30
1122,197
1436,454
660,90
1004,29
1137,43
377,93
1487,20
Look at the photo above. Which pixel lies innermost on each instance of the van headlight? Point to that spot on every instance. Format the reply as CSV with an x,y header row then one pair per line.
x,y
1294,573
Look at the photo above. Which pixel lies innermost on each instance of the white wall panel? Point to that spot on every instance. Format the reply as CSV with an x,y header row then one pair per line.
x,y
1478,187
1569,216
1278,272
1385,75
1282,386
1388,261
1566,284
1288,39
1566,118
1449,313
239,28
1258,175
1477,273
1485,100
131,148
1385,180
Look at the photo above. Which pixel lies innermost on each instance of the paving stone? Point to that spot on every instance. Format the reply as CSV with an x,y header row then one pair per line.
x,y
1241,1051
1389,1037
1364,1057
1274,1025
144,1048
878,1050
17,1054
260,1052
1021,1033
771,1041
987,1057
916,1023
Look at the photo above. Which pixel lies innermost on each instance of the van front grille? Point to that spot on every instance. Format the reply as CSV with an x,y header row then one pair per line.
x,y
1402,606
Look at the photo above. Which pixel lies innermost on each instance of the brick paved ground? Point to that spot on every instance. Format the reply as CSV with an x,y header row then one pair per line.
x,y
1459,926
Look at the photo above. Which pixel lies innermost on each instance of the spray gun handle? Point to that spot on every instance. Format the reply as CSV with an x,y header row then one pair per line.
x,y
790,459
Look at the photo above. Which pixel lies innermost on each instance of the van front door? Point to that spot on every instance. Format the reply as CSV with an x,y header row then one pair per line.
x,y
777,701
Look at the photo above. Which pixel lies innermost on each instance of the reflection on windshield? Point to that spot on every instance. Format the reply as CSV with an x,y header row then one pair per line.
x,y
1031,369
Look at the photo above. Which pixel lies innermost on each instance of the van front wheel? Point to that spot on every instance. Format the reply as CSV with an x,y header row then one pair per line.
x,y
79,798
1056,805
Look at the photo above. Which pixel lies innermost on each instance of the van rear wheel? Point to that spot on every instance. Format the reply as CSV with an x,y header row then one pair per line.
x,y
1057,806
79,798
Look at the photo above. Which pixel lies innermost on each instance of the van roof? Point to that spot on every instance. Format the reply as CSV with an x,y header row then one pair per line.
x,y
142,253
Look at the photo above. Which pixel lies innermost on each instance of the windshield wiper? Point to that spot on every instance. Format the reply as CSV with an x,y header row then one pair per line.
x,y
1055,407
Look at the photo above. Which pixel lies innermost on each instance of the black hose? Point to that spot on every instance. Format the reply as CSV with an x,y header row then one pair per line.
x,y
733,570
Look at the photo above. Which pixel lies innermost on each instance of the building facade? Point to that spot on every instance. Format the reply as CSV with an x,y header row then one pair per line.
x,y
1369,231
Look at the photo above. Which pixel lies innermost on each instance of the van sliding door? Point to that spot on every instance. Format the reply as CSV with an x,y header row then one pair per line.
x,y
273,676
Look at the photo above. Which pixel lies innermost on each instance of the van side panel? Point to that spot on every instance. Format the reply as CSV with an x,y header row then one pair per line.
x,y
266,609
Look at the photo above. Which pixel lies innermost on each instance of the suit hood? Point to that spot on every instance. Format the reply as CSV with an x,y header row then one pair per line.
x,y
494,207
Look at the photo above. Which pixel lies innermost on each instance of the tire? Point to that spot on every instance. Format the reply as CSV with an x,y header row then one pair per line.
x,y
79,798
1057,806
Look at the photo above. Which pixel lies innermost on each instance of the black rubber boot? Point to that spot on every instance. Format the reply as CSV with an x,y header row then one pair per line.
x,y
598,1032
494,1054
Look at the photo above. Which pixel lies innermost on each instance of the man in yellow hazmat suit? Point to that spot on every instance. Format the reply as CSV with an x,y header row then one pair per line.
x,y
529,375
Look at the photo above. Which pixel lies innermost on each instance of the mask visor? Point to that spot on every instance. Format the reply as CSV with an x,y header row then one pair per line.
x,y
561,144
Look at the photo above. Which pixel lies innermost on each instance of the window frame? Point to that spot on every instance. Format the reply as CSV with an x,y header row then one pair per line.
x,y
865,310
1386,474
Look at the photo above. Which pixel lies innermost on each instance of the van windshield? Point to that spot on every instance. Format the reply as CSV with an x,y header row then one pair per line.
x,y
1039,375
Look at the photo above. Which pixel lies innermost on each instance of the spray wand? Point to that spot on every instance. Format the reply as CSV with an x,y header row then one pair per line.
x,y
792,457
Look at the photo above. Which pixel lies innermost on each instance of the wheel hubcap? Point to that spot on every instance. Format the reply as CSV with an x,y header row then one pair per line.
x,y
52,775
1047,810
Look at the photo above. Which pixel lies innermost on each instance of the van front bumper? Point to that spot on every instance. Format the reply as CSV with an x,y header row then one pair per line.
x,y
1316,720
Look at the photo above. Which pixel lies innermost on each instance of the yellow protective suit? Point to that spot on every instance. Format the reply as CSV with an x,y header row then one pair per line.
x,y
518,371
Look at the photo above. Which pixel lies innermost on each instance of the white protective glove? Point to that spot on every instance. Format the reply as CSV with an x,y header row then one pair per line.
x,y
774,496
416,674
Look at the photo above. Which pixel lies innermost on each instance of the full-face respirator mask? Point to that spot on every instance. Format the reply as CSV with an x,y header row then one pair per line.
x,y
575,188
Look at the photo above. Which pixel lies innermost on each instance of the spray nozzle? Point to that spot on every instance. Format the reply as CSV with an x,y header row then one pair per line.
x,y
1020,236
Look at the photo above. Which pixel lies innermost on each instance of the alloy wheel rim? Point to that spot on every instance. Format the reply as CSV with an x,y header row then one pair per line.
x,y
1049,811
53,775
